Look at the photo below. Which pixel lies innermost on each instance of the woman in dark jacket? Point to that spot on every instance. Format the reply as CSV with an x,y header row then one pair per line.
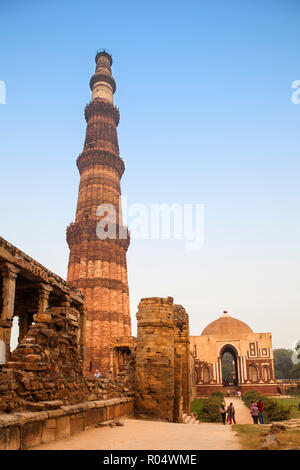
x,y
223,412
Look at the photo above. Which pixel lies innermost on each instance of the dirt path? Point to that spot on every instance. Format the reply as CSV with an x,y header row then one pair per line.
x,y
242,413
150,435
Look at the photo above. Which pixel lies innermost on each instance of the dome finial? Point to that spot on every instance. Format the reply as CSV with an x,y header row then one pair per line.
x,y
225,314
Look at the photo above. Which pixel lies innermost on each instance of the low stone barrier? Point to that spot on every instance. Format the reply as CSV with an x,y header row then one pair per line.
x,y
29,429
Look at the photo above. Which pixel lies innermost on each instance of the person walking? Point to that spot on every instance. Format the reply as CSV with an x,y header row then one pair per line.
x,y
255,413
260,407
223,412
231,413
228,392
239,395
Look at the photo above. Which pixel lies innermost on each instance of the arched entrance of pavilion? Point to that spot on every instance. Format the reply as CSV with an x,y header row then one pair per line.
x,y
229,369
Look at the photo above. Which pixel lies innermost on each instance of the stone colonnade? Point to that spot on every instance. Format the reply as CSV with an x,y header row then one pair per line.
x,y
28,289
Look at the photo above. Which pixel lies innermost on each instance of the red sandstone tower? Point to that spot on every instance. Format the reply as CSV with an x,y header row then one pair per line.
x,y
98,266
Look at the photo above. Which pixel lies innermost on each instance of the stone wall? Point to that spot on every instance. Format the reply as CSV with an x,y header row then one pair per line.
x,y
205,390
284,385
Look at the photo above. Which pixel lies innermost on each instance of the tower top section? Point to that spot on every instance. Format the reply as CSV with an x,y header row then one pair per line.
x,y
102,83
104,52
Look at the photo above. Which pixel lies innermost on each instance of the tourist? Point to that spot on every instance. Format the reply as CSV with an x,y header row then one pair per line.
x,y
223,412
239,395
97,374
251,406
254,413
261,411
228,392
231,413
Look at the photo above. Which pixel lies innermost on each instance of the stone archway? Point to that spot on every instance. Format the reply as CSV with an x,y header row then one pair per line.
x,y
234,380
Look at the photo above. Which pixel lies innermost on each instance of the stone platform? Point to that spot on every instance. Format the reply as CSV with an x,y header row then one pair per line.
x,y
29,429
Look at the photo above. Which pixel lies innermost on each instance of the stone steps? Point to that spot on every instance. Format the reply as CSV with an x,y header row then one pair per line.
x,y
189,419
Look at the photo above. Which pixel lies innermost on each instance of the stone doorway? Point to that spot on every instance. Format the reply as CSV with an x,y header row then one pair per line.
x,y
229,366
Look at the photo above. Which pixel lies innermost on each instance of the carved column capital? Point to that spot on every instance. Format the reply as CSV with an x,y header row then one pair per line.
x,y
9,270
44,287
66,302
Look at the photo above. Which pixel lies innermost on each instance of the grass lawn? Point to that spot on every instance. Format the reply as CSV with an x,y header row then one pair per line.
x,y
293,402
252,436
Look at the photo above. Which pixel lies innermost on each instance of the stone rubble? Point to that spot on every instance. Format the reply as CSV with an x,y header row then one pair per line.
x,y
46,369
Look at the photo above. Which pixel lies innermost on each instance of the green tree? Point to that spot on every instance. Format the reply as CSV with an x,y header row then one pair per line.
x,y
295,371
283,363
227,366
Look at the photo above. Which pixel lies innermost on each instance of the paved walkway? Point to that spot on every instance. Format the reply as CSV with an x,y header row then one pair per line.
x,y
242,413
150,435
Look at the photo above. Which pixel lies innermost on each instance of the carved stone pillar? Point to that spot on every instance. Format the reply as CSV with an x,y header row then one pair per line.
x,y
66,303
82,334
9,274
44,293
23,325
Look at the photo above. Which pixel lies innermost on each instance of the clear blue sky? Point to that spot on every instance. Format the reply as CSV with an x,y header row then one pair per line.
x,y
204,91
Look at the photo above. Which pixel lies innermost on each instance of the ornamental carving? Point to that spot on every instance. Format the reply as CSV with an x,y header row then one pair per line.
x,y
101,77
103,108
90,158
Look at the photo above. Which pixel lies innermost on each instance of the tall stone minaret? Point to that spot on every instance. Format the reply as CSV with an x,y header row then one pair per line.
x,y
97,266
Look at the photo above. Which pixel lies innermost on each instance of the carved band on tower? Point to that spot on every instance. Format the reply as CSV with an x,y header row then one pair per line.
x,y
98,266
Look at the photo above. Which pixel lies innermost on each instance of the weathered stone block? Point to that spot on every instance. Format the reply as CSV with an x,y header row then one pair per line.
x,y
92,417
10,438
49,431
31,434
42,317
77,422
63,428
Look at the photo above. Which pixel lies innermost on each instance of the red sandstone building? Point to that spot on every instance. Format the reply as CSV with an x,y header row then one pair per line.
x,y
98,266
252,353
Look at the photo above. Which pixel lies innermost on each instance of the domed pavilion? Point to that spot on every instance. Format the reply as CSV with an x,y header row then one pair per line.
x,y
252,365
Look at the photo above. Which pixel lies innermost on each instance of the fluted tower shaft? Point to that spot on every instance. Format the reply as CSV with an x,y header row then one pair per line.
x,y
98,266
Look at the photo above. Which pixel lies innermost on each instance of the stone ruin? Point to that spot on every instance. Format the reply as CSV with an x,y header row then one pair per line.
x,y
163,380
45,394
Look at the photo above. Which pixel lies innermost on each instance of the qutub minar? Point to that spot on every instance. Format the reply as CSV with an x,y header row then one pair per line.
x,y
98,266
64,334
